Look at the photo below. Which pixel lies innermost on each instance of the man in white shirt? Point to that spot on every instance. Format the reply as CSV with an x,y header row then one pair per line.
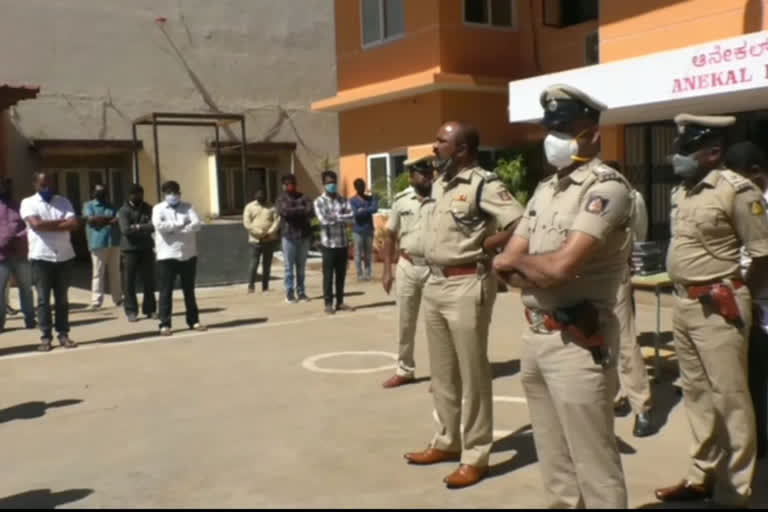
x,y
750,161
634,389
176,226
50,218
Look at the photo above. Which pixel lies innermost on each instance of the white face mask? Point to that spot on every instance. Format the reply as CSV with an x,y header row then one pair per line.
x,y
172,199
560,148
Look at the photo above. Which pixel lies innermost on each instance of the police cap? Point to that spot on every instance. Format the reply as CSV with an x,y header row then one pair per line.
x,y
425,164
563,103
695,131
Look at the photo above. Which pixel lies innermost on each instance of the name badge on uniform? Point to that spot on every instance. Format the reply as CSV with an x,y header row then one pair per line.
x,y
597,204
757,208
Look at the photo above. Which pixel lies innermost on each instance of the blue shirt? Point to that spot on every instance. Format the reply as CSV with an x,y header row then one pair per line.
x,y
106,236
364,208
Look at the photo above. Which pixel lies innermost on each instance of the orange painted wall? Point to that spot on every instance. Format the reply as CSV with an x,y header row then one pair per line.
x,y
389,126
632,29
417,50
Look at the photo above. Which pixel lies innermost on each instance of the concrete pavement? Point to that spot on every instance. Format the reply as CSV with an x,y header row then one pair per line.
x,y
256,413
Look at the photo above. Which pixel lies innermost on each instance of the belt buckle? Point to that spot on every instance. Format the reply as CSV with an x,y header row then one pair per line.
x,y
538,320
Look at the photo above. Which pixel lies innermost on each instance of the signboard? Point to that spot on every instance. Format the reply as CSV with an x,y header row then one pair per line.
x,y
675,79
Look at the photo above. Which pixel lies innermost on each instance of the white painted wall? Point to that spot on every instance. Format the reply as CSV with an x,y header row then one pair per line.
x,y
101,63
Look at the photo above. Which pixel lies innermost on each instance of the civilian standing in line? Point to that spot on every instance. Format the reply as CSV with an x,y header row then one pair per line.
x,y
13,256
103,236
137,247
263,225
176,226
750,161
50,218
335,215
295,210
363,206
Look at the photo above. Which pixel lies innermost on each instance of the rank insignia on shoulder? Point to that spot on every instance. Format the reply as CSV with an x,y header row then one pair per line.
x,y
757,208
461,197
596,205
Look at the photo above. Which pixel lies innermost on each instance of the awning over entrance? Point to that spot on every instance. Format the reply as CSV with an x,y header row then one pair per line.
x,y
730,75
85,147
11,95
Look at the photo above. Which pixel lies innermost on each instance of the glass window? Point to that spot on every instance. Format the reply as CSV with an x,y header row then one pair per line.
x,y
476,11
592,48
564,13
371,21
394,18
382,20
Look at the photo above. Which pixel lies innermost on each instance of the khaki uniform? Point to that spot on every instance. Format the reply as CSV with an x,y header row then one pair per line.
x,y
633,378
710,223
468,208
570,397
406,220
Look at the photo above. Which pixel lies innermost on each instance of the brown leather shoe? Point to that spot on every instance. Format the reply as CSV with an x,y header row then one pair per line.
x,y
684,491
431,456
65,342
465,476
397,380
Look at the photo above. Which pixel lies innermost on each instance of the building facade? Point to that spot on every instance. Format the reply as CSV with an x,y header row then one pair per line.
x,y
406,66
659,58
101,64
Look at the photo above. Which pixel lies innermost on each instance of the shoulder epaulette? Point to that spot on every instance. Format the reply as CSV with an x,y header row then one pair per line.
x,y
486,175
403,193
738,182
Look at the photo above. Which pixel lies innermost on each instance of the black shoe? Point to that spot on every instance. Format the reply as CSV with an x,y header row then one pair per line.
x,y
132,318
65,342
30,325
303,298
643,425
290,298
45,345
622,409
330,310
251,290
151,316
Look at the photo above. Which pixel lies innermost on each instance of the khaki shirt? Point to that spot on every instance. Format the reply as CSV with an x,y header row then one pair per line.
x,y
458,224
261,222
596,200
710,223
406,218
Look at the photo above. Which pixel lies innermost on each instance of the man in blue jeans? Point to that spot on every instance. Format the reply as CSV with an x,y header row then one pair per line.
x,y
295,210
363,206
13,256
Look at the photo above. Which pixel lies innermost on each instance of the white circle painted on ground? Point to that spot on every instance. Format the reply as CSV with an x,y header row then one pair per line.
x,y
310,363
497,434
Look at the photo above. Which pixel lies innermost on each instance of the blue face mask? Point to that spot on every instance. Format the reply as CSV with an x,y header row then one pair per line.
x,y
331,188
46,194
172,199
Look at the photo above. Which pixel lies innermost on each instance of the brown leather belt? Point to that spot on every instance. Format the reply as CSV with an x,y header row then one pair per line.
x,y
461,270
697,290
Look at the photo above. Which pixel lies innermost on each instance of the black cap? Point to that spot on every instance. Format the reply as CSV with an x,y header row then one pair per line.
x,y
135,189
563,103
694,131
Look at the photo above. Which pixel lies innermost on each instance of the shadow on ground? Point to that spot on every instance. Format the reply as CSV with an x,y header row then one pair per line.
x,y
373,305
519,441
31,410
348,294
200,311
501,369
89,321
43,499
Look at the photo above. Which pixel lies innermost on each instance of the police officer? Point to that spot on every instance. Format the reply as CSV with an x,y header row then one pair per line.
x,y
714,213
409,209
634,388
473,216
568,255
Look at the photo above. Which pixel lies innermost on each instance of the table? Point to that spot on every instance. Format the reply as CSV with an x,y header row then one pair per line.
x,y
657,283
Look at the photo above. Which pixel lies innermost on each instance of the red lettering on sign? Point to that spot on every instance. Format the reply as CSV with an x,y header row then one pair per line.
x,y
714,80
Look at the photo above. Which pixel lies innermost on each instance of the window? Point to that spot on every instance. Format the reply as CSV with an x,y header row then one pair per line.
x,y
232,197
381,20
592,49
383,168
497,13
564,13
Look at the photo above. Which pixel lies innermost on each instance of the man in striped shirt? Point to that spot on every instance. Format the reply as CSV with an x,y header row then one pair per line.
x,y
334,213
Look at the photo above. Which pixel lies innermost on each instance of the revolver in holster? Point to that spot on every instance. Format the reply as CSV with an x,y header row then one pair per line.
x,y
582,322
722,298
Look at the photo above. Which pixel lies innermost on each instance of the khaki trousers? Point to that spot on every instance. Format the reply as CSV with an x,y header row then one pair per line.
x,y
633,378
458,312
712,355
106,261
409,281
570,400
